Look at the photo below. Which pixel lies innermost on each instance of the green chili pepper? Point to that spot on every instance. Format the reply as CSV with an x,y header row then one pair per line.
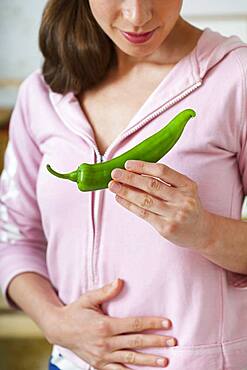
x,y
90,177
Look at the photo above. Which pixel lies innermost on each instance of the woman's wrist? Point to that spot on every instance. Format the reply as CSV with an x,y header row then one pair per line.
x,y
50,323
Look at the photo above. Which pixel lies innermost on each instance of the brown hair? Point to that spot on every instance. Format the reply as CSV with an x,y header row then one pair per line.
x,y
77,52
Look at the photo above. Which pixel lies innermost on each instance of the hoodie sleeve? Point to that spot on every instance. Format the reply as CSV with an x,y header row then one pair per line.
x,y
235,279
242,155
22,241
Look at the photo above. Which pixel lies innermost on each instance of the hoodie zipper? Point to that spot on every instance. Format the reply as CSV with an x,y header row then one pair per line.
x,y
149,118
101,158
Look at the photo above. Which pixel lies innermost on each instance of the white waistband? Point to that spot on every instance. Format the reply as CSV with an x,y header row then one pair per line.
x,y
62,363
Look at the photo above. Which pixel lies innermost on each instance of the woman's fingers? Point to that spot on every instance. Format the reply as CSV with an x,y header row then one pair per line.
x,y
143,182
137,358
165,173
140,341
137,324
144,200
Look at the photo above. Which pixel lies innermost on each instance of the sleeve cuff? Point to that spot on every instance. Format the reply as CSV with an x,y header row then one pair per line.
x,y
20,260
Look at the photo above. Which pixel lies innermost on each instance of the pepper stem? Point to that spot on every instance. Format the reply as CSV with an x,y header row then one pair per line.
x,y
69,176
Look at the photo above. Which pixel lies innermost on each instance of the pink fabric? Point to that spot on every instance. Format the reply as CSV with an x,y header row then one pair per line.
x,y
81,241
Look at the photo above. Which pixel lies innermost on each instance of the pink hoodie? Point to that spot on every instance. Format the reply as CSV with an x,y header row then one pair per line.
x,y
81,241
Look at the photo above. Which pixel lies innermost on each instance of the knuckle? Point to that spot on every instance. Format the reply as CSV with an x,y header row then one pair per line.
x,y
147,202
154,184
128,176
161,170
124,191
170,229
191,187
130,358
102,345
190,204
143,213
137,324
136,342
102,327
153,323
140,165
181,216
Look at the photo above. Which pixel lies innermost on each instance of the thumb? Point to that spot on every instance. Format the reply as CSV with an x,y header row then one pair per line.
x,y
98,296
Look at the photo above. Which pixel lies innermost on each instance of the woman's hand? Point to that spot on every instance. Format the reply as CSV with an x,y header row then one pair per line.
x,y
106,343
171,205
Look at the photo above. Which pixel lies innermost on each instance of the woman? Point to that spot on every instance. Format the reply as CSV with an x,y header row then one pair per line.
x,y
171,235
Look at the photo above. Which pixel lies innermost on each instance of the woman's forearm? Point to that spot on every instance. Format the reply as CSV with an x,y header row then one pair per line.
x,y
35,295
226,243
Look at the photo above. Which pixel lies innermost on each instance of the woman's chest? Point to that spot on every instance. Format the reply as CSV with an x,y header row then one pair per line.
x,y
108,121
110,115
109,109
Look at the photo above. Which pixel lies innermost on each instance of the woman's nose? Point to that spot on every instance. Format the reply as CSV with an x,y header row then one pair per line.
x,y
137,12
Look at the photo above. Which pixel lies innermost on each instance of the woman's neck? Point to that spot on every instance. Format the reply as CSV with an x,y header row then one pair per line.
x,y
180,42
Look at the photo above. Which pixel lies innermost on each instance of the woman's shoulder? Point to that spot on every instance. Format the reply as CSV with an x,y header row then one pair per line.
x,y
234,58
240,56
33,93
217,50
237,53
236,68
33,84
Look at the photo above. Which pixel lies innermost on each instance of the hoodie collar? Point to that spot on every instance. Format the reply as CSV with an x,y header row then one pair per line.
x,y
211,48
184,73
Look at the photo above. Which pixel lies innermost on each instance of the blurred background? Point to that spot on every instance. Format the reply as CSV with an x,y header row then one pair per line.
x,y
22,346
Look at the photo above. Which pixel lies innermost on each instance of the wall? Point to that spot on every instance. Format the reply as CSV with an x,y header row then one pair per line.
x,y
19,23
227,16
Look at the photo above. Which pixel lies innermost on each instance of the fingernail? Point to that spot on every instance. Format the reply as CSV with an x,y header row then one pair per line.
x,y
166,324
171,342
116,174
131,163
114,186
114,284
161,361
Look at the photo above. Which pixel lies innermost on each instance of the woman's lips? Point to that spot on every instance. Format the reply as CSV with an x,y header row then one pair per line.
x,y
136,38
